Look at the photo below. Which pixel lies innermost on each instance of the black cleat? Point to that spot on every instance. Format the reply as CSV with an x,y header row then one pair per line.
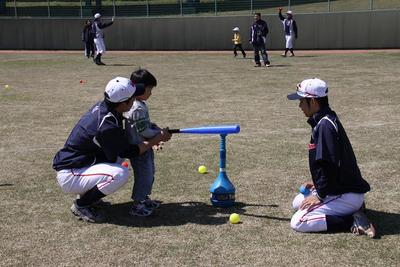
x,y
362,225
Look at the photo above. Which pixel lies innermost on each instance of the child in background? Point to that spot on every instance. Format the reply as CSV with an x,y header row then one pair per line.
x,y
141,128
237,42
88,39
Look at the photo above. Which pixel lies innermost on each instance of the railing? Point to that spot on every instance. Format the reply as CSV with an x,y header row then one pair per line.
x,y
151,8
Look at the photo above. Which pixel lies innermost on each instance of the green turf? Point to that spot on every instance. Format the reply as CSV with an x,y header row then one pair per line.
x,y
266,162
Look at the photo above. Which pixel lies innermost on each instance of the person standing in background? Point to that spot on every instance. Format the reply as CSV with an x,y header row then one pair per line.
x,y
290,28
98,27
258,37
88,38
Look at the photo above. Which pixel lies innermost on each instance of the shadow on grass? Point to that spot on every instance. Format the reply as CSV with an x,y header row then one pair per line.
x,y
307,56
386,223
279,66
243,58
268,217
172,214
6,184
271,66
120,65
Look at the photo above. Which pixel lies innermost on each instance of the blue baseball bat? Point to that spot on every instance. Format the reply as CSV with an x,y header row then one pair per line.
x,y
216,129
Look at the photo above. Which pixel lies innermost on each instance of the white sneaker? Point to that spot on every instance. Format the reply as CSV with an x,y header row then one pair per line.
x,y
85,213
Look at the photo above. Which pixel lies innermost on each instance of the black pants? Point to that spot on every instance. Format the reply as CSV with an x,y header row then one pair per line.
x,y
236,47
89,49
257,49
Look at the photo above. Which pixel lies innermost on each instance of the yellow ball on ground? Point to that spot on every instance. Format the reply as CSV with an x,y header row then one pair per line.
x,y
234,218
6,86
202,169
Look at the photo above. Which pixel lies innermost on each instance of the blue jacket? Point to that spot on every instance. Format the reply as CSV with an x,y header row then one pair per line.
x,y
97,137
333,165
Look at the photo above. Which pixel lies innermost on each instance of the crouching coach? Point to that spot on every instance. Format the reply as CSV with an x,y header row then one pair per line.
x,y
89,164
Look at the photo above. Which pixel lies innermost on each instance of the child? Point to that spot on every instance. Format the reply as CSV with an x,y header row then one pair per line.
x,y
237,42
140,129
88,39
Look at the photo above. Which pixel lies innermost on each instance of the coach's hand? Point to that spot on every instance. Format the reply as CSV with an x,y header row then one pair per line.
x,y
310,202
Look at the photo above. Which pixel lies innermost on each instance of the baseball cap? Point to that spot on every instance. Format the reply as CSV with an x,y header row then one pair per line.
x,y
121,89
310,88
97,15
236,29
289,12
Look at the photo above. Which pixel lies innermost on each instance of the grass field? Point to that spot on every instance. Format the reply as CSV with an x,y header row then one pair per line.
x,y
266,162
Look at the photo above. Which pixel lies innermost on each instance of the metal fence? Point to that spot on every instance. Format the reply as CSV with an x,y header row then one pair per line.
x,y
152,8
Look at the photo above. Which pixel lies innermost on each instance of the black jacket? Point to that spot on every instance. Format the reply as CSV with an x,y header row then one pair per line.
x,y
259,31
97,27
333,165
87,34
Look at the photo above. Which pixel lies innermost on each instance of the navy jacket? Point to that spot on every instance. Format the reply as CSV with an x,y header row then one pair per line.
x,y
97,137
287,23
333,165
259,31
98,27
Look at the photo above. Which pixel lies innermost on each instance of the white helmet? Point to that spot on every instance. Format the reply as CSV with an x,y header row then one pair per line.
x,y
97,15
236,29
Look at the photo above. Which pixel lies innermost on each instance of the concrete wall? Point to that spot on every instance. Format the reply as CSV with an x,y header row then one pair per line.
x,y
350,30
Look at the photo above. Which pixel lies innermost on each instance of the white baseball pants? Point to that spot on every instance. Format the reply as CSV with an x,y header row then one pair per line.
x,y
314,220
100,46
108,177
289,41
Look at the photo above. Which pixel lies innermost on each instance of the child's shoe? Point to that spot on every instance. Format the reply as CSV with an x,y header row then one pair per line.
x,y
140,210
151,204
